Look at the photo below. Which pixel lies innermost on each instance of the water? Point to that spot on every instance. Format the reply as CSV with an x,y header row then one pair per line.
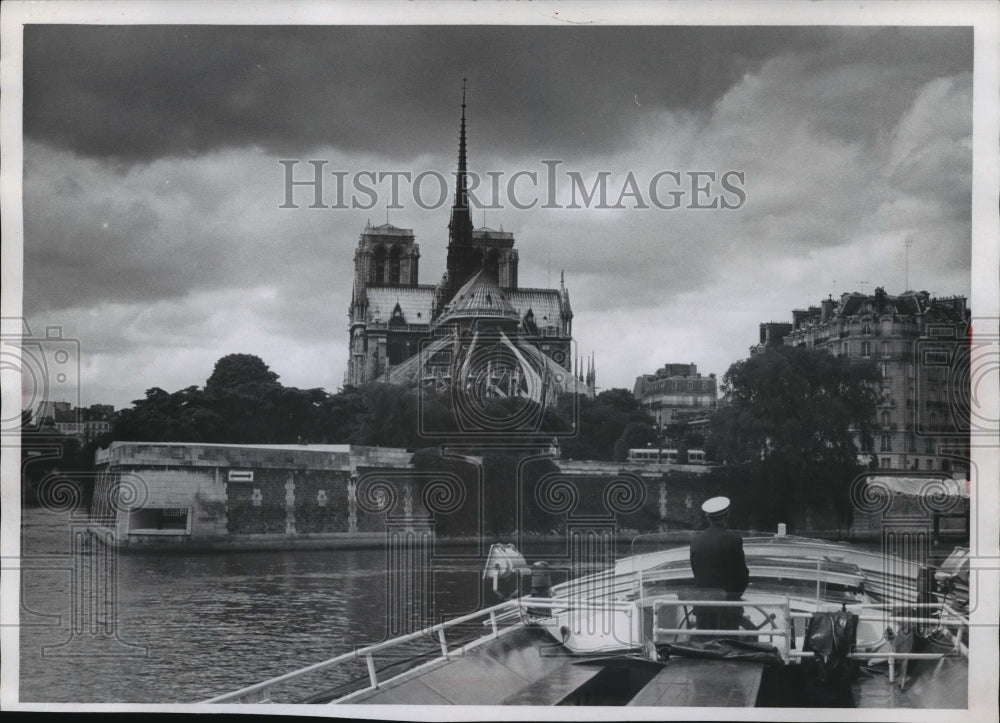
x,y
190,627
194,626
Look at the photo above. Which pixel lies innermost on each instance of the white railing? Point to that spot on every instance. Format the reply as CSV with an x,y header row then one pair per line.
x,y
785,632
494,617
259,693
946,618
507,616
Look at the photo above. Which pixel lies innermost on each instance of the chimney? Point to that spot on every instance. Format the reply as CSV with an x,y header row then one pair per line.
x,y
827,305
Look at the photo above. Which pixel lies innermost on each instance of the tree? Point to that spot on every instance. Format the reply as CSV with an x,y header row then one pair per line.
x,y
635,435
44,451
242,403
339,415
602,423
234,371
789,417
391,417
181,416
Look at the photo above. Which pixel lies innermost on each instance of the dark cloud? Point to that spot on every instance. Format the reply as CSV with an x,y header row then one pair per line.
x,y
152,185
134,93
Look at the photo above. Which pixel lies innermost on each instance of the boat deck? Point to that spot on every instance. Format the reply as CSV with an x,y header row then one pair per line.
x,y
525,667
695,682
524,662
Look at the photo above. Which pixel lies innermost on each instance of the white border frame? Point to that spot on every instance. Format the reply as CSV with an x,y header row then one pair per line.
x,y
983,15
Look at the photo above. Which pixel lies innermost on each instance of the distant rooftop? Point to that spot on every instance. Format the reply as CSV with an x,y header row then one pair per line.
x,y
386,229
484,232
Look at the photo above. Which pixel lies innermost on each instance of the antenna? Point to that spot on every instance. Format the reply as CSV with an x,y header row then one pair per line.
x,y
906,246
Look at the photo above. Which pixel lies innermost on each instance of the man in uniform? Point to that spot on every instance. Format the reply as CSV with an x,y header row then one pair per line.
x,y
719,566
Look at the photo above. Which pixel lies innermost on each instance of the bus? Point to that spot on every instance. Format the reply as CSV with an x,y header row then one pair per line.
x,y
652,456
664,456
696,456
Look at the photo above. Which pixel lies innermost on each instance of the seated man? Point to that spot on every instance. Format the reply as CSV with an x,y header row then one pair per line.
x,y
719,567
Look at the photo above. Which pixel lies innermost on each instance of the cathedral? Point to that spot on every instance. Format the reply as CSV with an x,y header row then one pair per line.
x,y
476,323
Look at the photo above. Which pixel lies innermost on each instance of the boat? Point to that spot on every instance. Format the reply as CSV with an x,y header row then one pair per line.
x,y
820,624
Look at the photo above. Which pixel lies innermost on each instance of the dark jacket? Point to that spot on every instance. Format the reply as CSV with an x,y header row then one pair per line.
x,y
717,561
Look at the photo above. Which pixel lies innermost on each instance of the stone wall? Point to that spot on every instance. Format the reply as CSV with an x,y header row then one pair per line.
x,y
174,494
642,498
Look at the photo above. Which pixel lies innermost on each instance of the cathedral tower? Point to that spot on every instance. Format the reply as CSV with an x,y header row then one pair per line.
x,y
392,316
471,249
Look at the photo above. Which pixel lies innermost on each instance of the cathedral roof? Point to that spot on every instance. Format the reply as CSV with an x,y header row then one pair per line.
x,y
480,297
544,303
416,302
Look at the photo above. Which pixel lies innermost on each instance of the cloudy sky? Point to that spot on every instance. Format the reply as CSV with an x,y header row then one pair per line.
x,y
152,183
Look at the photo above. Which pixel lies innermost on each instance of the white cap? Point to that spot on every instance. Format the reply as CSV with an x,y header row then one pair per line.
x,y
715,506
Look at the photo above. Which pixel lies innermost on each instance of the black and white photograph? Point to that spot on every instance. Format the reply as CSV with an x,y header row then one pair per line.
x,y
466,360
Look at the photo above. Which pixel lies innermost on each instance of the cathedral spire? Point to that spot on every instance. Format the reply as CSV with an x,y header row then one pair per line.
x,y
460,228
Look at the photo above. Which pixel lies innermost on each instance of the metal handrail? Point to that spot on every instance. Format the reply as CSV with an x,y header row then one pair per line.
x,y
492,615
258,692
367,653
785,633
948,618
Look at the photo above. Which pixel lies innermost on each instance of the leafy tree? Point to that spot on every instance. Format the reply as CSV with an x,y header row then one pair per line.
x,y
635,435
183,416
235,371
338,416
789,417
254,406
602,423
390,418
44,450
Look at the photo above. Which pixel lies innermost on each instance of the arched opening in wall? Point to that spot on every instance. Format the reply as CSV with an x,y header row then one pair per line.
x,y
378,265
491,263
394,255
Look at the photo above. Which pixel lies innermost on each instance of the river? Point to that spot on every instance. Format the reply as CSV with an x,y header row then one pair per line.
x,y
188,627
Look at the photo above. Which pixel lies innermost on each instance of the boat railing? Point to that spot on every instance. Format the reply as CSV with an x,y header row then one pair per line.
x,y
943,618
499,619
783,631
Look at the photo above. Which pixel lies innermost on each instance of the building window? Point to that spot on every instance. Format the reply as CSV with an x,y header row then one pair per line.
x,y
930,464
378,261
912,448
866,328
885,443
885,463
394,265
866,350
159,520
885,350
886,419
929,446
